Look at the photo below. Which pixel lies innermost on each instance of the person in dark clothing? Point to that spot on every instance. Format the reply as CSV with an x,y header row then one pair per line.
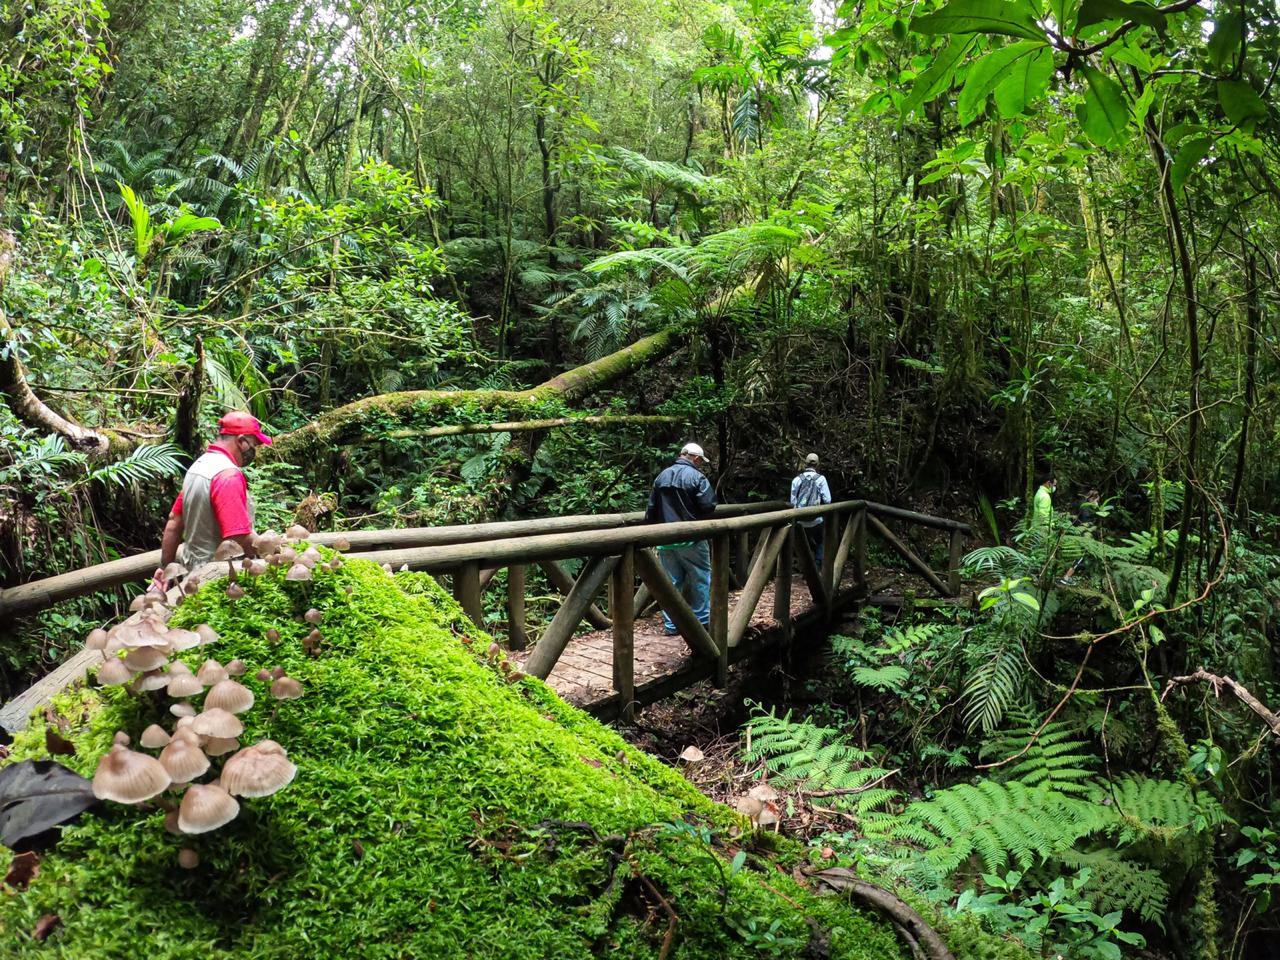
x,y
1085,517
682,492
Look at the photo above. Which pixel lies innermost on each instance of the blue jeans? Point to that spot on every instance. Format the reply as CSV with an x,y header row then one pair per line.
x,y
690,570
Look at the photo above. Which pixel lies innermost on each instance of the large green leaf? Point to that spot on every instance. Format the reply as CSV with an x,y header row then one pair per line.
x,y
997,67
1225,41
1240,102
1188,159
1011,18
938,77
1027,81
1104,115
1096,11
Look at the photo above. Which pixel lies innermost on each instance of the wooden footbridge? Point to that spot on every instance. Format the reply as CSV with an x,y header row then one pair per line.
x,y
758,603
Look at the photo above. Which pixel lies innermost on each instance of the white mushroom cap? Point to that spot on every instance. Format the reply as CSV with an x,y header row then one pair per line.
x,y
230,696
183,760
154,736
217,746
174,570
97,639
143,633
184,639
151,680
206,808
216,722
297,532
145,658
183,685
236,668
258,771
286,688
298,571
207,633
128,777
211,672
113,672
182,710
226,550
310,556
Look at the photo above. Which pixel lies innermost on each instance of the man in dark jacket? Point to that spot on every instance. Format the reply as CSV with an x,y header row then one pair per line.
x,y
682,492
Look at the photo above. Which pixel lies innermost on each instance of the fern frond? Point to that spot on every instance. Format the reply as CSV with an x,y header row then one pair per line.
x,y
1118,883
994,687
142,464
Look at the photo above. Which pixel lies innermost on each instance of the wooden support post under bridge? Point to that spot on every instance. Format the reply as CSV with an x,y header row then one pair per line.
x,y
622,612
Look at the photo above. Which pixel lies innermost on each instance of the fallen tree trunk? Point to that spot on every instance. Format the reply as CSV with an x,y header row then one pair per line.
x,y
521,426
345,424
920,936
1237,688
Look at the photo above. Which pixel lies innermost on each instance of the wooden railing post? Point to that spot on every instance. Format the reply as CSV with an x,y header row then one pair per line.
x,y
842,551
761,570
517,636
860,549
560,631
622,613
668,597
782,582
906,554
720,606
830,545
562,580
466,590
742,557
809,569
953,562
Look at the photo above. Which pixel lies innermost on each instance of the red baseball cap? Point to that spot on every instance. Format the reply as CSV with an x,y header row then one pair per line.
x,y
240,424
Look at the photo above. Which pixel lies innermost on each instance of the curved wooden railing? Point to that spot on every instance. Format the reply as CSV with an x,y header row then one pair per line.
x,y
616,549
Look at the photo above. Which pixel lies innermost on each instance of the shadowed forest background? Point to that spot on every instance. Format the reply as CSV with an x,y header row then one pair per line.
x,y
952,247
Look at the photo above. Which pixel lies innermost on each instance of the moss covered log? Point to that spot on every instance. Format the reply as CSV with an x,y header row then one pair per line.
x,y
350,422
439,811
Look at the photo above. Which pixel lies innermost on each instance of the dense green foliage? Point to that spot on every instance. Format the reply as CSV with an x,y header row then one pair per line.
x,y
952,245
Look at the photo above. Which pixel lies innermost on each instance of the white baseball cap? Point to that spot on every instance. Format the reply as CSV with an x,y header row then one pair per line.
x,y
693,450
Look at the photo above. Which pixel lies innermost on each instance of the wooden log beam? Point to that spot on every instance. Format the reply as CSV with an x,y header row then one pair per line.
x,y
720,559
906,553
624,635
741,557
517,635
563,581
668,597
920,519
560,631
533,549
761,570
809,570
40,594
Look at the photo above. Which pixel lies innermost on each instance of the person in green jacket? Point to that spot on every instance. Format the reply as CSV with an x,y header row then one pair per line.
x,y
1042,505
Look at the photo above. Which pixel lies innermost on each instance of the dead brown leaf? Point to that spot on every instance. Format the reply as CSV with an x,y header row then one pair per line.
x,y
57,744
46,925
22,870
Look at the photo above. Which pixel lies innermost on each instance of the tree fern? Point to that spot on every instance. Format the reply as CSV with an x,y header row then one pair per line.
x,y
1056,760
1119,883
998,822
823,759
1163,810
889,677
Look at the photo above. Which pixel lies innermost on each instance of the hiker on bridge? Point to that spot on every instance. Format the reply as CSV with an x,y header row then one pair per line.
x,y
810,489
680,493
214,504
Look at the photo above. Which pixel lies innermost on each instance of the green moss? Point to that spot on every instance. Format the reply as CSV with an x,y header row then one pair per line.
x,y
410,829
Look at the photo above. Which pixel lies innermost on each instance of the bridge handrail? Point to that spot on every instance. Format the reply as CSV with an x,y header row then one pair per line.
x,y
40,594
561,546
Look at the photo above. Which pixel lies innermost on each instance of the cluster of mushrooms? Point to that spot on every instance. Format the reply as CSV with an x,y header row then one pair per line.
x,y
137,654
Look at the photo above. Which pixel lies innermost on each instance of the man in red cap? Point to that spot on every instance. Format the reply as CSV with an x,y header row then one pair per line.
x,y
214,503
